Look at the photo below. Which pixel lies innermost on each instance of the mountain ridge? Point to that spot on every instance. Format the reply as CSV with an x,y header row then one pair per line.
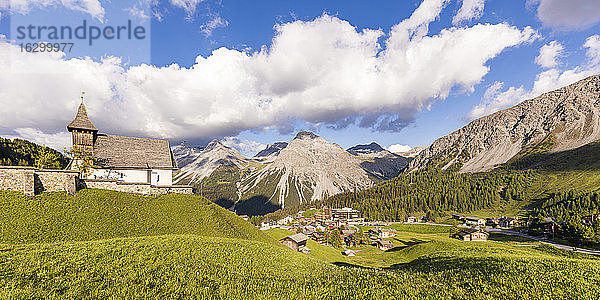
x,y
563,119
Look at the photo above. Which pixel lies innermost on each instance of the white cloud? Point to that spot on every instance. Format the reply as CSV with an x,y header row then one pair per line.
x,y
495,99
246,147
568,15
59,141
214,23
548,57
188,5
91,7
320,71
470,10
397,148
592,43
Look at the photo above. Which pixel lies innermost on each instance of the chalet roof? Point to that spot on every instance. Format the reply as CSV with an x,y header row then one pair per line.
x,y
473,219
113,151
469,231
298,238
81,121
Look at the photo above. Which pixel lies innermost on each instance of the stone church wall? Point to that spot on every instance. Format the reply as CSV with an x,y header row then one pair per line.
x,y
32,181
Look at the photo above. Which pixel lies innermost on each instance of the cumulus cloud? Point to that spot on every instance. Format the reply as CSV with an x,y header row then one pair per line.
x,y
397,148
496,99
244,146
549,54
320,71
593,45
470,10
188,5
214,23
91,7
568,15
59,141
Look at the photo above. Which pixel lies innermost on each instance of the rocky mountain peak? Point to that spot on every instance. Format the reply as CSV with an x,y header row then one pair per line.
x,y
367,149
271,150
306,135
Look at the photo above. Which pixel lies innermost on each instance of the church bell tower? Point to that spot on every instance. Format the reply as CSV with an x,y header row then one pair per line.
x,y
83,130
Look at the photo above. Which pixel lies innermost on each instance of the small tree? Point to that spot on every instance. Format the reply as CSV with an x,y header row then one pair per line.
x,y
256,220
334,239
82,160
454,229
47,159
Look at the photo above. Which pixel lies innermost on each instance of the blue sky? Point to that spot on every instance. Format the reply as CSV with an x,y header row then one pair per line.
x,y
339,68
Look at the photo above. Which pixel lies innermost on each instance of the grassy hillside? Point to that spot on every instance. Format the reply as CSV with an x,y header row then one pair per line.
x,y
174,266
100,214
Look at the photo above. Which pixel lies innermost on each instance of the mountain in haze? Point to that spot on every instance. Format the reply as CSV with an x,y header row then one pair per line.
x,y
198,163
366,150
270,152
557,121
378,161
308,169
412,152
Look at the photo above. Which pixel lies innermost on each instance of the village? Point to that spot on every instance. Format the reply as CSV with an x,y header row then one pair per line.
x,y
344,228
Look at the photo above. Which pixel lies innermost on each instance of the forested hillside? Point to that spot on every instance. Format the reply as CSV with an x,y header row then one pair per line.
x,y
17,152
435,190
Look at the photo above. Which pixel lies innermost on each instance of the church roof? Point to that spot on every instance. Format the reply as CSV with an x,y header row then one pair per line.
x,y
82,121
113,151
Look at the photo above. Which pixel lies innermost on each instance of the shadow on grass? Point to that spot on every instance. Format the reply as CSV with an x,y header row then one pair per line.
x,y
407,243
349,265
504,237
487,265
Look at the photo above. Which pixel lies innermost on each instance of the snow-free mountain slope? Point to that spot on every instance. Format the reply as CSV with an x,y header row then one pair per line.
x,y
196,163
561,120
309,168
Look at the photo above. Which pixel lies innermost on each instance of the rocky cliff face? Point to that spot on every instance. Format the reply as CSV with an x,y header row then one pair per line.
x,y
270,152
309,168
379,162
197,163
560,120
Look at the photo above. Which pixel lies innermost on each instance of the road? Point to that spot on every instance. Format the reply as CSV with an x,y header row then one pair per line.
x,y
545,241
535,238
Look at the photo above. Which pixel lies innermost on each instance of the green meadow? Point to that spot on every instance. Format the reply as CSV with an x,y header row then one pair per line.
x,y
101,244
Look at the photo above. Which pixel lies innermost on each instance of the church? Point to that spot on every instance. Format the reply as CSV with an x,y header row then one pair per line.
x,y
128,160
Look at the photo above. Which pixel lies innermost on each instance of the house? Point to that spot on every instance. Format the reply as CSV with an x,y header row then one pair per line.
x,y
318,237
474,221
346,214
384,245
506,222
492,222
382,232
285,220
119,158
411,220
349,252
387,233
245,217
471,234
267,224
296,242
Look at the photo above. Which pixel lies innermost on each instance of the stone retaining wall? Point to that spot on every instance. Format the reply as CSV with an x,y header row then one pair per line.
x,y
18,179
136,188
56,181
32,181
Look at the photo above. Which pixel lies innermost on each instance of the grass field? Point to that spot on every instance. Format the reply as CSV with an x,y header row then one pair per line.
x,y
101,244
100,214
